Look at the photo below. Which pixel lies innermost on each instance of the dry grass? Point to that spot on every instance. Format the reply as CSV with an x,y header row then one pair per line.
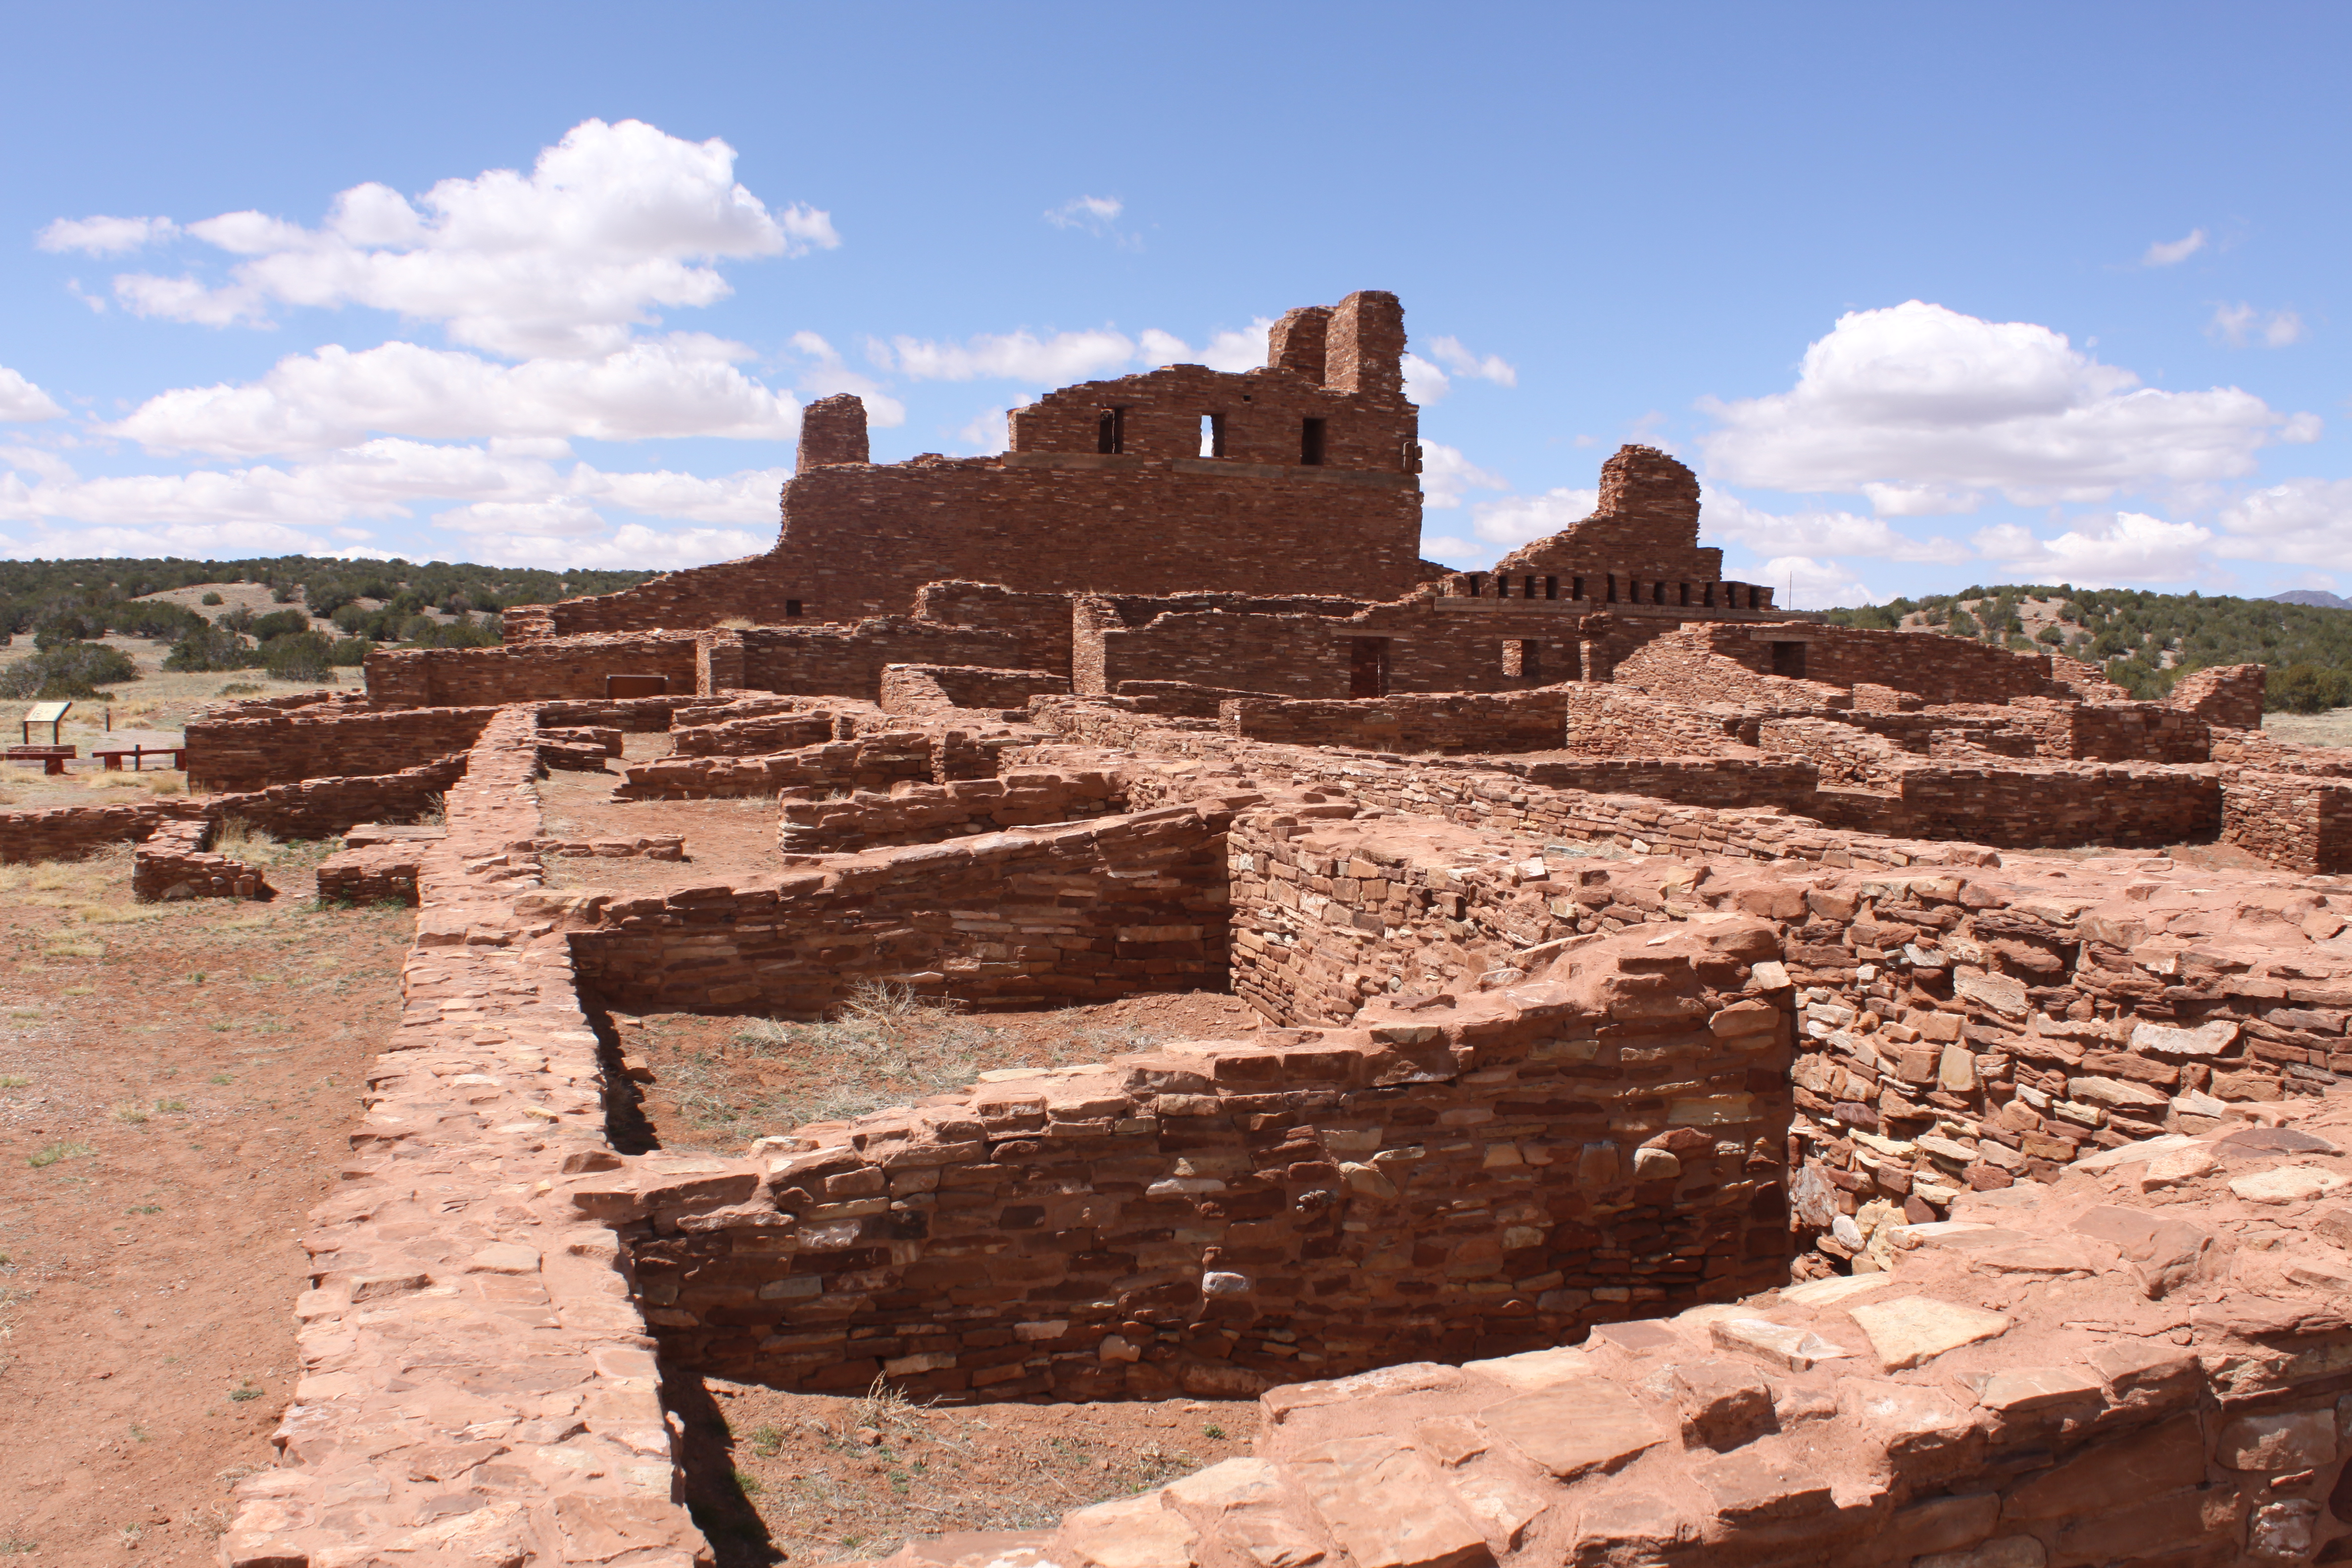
x,y
885,1046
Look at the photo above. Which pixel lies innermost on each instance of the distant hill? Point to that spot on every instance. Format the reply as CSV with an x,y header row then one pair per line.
x,y
33,591
2147,641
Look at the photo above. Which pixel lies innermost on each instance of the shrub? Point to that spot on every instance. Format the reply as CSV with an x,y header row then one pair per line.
x,y
212,647
277,624
212,596
65,670
154,619
285,592
2307,688
350,651
298,656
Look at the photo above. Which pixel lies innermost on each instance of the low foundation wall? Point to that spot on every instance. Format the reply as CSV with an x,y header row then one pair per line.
x,y
870,762
925,814
2301,821
573,667
1456,1180
324,741
1471,721
315,808
754,737
2122,806
173,864
947,689
1086,914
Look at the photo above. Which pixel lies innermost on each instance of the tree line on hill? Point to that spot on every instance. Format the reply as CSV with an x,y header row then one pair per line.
x,y
67,606
2130,633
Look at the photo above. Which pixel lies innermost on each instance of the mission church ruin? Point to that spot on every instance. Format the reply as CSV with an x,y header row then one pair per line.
x,y
1728,1089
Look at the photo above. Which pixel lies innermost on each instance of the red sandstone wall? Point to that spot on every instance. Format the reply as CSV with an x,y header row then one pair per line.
x,y
921,813
848,661
946,689
1088,913
573,668
328,740
1517,721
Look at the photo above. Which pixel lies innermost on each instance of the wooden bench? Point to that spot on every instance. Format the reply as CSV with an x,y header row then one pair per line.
x,y
53,759
112,756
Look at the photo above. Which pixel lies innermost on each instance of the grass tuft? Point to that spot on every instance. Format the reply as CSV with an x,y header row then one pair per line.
x,y
50,1153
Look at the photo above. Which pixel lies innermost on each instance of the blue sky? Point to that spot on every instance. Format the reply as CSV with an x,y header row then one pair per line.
x,y
1928,295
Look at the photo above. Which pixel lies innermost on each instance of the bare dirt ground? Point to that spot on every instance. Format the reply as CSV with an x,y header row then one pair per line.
x,y
726,840
175,1084
773,1476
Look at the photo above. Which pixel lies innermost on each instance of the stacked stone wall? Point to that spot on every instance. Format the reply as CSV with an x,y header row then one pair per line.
x,y
1039,623
172,863
570,667
927,813
1603,722
947,689
760,735
449,1298
1457,1179
848,661
873,761
325,740
315,808
2303,821
1084,913
1517,722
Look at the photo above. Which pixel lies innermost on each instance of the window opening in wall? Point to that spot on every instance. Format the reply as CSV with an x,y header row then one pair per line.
x,y
1613,587
1111,434
1523,658
1368,666
1575,587
1528,589
1310,444
1502,587
1788,659
1213,434
1708,590
1685,594
1658,592
791,609
1552,587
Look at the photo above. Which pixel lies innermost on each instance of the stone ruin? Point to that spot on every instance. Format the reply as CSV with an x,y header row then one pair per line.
x,y
1730,1089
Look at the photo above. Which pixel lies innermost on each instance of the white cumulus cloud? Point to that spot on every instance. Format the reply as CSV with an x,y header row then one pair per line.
x,y
2239,324
104,235
1515,520
683,385
2308,521
1449,352
1805,584
1093,213
611,223
1724,517
22,402
1008,356
2172,252
1924,408
1446,474
2128,547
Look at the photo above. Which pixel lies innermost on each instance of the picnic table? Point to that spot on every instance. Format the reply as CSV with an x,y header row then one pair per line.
x,y
112,756
53,759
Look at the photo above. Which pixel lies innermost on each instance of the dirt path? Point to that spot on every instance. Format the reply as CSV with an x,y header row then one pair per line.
x,y
175,1085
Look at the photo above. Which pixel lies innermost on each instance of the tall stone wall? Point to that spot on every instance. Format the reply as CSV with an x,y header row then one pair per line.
x,y
848,661
2301,821
573,667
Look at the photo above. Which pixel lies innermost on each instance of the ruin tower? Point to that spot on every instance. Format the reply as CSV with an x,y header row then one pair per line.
x,y
833,430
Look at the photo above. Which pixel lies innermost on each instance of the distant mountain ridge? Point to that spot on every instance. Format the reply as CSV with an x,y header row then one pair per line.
x,y
2316,598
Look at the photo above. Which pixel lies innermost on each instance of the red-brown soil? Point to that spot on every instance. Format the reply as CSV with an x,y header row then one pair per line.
x,y
175,1084
775,1477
